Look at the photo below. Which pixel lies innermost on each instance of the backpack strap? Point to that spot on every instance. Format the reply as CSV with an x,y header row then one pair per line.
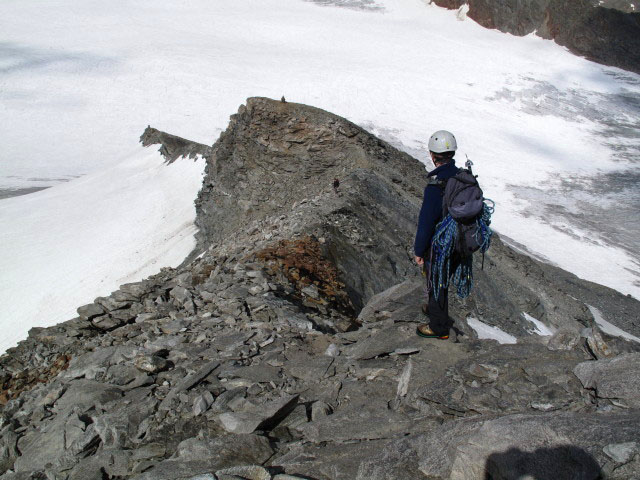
x,y
436,182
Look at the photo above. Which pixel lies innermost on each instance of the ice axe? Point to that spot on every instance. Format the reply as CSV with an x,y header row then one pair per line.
x,y
468,164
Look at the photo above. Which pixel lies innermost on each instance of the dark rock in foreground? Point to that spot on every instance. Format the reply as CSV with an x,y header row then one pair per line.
x,y
285,348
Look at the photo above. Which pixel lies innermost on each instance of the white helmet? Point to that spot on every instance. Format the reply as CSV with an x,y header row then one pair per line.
x,y
442,141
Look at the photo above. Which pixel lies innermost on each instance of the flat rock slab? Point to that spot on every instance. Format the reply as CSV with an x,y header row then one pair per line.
x,y
308,368
249,472
617,379
564,445
261,373
507,379
385,342
203,456
371,421
188,382
401,302
85,394
91,363
52,441
263,417
330,461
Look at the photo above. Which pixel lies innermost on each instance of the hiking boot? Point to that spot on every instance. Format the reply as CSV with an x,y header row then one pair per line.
x,y
425,331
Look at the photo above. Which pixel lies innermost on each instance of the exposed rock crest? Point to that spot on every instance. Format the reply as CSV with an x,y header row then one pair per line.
x,y
286,348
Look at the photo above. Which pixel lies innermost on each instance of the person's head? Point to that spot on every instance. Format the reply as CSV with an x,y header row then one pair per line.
x,y
442,147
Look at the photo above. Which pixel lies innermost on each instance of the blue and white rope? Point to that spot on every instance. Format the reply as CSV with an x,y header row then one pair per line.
x,y
443,244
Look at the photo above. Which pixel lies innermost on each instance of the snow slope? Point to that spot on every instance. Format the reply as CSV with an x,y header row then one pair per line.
x,y
553,136
75,241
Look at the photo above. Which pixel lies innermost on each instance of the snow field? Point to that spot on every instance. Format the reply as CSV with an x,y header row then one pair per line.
x,y
76,241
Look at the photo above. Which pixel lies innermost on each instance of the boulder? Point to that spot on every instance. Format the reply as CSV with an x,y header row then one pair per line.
x,y
616,379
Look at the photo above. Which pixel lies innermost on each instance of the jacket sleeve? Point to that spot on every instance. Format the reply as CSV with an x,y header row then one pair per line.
x,y
430,214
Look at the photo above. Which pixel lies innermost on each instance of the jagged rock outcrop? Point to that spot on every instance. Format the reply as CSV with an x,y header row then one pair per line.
x,y
607,32
285,346
173,147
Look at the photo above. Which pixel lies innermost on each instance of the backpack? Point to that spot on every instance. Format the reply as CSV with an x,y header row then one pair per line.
x,y
463,200
463,230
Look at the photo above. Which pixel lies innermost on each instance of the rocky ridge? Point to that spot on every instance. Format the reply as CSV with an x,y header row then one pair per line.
x,y
284,347
605,31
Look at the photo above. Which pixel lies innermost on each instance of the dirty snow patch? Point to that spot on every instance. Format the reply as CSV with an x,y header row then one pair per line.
x,y
539,327
610,328
487,332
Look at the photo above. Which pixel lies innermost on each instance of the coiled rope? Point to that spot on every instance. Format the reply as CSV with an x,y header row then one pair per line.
x,y
442,248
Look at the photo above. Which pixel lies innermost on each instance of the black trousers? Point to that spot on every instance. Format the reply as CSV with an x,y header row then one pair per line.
x,y
438,308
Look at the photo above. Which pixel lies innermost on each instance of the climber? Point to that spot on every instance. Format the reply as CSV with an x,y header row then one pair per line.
x,y
442,147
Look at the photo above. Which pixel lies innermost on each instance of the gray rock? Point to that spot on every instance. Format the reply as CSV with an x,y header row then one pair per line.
x,y
59,442
400,302
196,456
557,445
598,346
564,339
616,379
202,403
507,379
54,394
371,421
87,312
405,378
233,449
107,322
489,373
320,409
152,363
181,294
330,461
188,382
308,368
92,364
262,417
621,452
311,291
146,317
110,303
120,426
136,290
383,342
227,399
8,449
85,394
251,472
332,350
88,468
261,373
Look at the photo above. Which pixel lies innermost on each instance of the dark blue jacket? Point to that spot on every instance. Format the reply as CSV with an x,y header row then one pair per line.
x,y
431,211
